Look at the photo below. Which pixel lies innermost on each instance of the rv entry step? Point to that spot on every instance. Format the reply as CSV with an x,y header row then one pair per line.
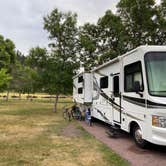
x,y
113,131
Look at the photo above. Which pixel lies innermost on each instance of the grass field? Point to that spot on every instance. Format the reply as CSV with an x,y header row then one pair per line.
x,y
31,134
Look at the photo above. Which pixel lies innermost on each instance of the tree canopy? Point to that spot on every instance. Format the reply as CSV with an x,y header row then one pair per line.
x,y
62,31
112,37
88,40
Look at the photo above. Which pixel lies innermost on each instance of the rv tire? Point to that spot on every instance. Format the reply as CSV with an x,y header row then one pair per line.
x,y
137,134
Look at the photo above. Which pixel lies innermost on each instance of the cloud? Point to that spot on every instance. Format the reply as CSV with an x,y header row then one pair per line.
x,y
22,20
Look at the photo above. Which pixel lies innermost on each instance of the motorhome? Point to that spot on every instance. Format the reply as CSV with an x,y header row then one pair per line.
x,y
129,93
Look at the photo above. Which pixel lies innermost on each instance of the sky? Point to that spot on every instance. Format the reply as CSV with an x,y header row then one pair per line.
x,y
22,20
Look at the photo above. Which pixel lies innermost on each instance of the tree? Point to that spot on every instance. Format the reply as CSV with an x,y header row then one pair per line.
x,y
7,58
37,60
63,34
20,58
112,38
4,78
161,21
88,50
138,17
24,79
57,78
7,53
10,49
16,71
28,80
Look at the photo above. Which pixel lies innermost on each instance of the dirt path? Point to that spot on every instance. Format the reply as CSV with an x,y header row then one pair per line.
x,y
124,145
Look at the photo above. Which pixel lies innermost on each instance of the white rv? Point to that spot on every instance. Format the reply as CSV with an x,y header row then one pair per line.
x,y
129,92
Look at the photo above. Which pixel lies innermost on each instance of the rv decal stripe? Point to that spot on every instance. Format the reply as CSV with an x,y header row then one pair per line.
x,y
142,103
151,104
108,98
133,100
114,105
104,117
131,116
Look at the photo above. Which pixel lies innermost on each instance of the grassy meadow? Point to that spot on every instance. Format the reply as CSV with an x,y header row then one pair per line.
x,y
31,134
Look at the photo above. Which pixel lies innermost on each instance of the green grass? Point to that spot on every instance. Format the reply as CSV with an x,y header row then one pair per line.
x,y
31,134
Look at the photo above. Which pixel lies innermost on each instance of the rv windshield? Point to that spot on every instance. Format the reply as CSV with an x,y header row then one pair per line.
x,y
156,73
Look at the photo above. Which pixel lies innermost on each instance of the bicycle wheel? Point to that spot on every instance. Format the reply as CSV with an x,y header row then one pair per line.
x,y
65,116
69,116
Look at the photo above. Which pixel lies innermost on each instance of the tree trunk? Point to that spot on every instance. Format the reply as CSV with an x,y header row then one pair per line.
x,y
50,98
19,95
7,95
31,97
28,96
55,103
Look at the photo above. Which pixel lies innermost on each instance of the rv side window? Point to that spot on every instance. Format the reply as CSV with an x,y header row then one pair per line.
x,y
104,82
80,90
132,73
116,86
80,79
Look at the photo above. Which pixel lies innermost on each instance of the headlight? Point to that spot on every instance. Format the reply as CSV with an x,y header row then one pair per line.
x,y
159,121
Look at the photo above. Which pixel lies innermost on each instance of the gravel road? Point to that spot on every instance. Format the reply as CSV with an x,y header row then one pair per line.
x,y
125,147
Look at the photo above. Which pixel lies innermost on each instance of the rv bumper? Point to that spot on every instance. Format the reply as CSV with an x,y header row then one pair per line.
x,y
158,136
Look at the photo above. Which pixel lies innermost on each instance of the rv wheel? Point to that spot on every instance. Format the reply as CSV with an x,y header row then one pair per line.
x,y
137,134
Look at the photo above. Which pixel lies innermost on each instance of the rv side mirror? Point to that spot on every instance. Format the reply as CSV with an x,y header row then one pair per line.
x,y
137,86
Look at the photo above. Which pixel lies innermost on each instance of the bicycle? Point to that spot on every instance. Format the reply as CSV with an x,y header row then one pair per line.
x,y
67,114
76,113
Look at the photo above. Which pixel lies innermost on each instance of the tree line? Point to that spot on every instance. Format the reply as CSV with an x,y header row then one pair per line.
x,y
135,23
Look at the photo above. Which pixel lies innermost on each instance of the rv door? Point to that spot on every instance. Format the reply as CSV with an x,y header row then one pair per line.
x,y
117,100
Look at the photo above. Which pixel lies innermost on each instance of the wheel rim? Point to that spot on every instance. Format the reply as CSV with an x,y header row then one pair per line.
x,y
138,136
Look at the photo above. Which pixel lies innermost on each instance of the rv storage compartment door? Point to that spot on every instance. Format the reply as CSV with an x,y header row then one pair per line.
x,y
88,88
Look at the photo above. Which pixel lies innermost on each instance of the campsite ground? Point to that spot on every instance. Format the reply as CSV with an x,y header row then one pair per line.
x,y
124,145
31,134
